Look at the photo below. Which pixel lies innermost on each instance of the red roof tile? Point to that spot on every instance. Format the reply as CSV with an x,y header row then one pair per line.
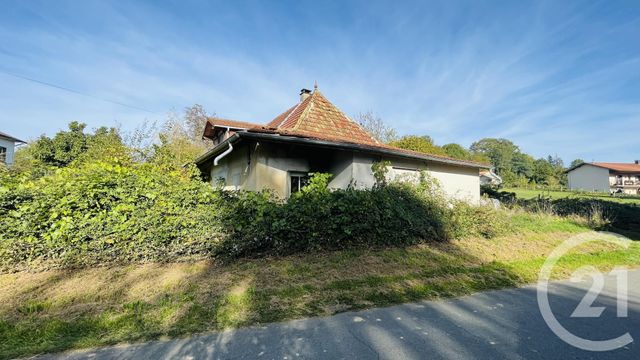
x,y
620,167
231,123
317,118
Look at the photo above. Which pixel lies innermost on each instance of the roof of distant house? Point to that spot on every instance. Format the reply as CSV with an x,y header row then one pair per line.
x,y
316,119
618,167
9,137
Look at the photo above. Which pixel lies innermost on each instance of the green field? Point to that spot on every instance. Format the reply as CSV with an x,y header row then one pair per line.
x,y
530,194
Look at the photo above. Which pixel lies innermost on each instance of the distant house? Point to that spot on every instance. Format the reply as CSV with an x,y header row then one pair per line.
x,y
315,136
606,177
7,148
488,177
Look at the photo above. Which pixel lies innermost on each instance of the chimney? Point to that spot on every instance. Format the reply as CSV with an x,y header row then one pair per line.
x,y
304,93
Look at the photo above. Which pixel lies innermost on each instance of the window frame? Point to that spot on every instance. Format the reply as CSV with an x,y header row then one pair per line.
x,y
300,175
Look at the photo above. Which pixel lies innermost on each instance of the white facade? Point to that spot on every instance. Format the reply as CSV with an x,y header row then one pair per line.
x,y
258,167
7,150
589,178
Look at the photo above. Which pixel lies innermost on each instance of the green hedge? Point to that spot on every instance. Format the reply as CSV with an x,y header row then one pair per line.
x,y
101,213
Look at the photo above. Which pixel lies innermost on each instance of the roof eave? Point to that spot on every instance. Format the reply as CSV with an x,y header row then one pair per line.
x,y
218,149
358,147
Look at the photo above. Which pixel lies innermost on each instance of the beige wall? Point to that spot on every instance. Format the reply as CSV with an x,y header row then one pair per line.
x,y
462,183
267,166
589,178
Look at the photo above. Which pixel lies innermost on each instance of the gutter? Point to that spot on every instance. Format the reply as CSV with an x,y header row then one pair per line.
x,y
218,149
225,153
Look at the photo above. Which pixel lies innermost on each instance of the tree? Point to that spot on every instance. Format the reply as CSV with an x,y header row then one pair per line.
x,y
499,151
523,164
576,163
181,139
376,127
544,173
456,151
75,145
423,144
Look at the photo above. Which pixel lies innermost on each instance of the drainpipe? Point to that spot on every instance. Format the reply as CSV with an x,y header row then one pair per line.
x,y
225,153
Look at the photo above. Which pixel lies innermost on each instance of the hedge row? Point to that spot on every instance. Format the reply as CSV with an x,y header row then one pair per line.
x,y
101,213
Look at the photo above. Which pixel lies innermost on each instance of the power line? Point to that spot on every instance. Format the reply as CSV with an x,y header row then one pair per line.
x,y
75,91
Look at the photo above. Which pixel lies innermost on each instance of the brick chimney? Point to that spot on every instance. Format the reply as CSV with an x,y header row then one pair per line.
x,y
304,93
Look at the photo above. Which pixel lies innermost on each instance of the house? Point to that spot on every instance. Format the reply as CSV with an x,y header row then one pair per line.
x,y
488,177
606,177
315,136
7,148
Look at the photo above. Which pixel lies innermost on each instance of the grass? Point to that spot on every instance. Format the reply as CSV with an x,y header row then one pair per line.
x,y
57,310
530,194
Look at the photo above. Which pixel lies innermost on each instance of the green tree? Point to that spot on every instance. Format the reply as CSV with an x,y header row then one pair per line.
x,y
576,162
73,145
456,151
523,164
544,172
499,151
423,144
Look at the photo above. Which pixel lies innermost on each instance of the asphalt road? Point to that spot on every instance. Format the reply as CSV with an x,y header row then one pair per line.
x,y
503,324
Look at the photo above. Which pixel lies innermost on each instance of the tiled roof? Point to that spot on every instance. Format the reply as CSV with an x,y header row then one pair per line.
x,y
231,123
317,118
621,167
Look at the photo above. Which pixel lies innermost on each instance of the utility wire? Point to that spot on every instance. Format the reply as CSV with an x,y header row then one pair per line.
x,y
75,91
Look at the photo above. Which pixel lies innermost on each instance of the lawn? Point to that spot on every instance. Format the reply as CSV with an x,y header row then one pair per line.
x,y
530,194
64,309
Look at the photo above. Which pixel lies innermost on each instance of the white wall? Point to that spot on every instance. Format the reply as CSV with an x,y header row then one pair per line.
x,y
589,178
268,167
10,145
458,182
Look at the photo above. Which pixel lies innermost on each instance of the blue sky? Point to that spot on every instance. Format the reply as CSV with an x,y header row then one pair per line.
x,y
555,77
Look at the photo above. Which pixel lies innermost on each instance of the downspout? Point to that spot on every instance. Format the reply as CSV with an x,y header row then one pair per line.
x,y
225,153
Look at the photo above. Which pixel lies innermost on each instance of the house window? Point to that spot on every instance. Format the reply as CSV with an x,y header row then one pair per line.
x,y
3,155
298,181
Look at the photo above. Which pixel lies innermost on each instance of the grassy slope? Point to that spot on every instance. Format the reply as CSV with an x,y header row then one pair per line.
x,y
530,194
57,310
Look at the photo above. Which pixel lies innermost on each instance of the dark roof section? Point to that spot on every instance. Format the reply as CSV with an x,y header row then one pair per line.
x,y
629,168
212,123
369,149
9,137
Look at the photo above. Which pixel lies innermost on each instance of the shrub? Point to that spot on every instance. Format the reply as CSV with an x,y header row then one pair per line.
x,y
104,212
397,214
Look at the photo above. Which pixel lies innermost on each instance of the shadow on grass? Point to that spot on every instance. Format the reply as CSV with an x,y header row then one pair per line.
x,y
491,325
622,218
247,292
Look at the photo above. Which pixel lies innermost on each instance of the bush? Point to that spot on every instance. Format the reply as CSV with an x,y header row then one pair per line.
x,y
318,219
314,220
105,212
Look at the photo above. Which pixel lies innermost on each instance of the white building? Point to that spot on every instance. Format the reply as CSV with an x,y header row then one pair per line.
x,y
315,136
606,177
7,148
